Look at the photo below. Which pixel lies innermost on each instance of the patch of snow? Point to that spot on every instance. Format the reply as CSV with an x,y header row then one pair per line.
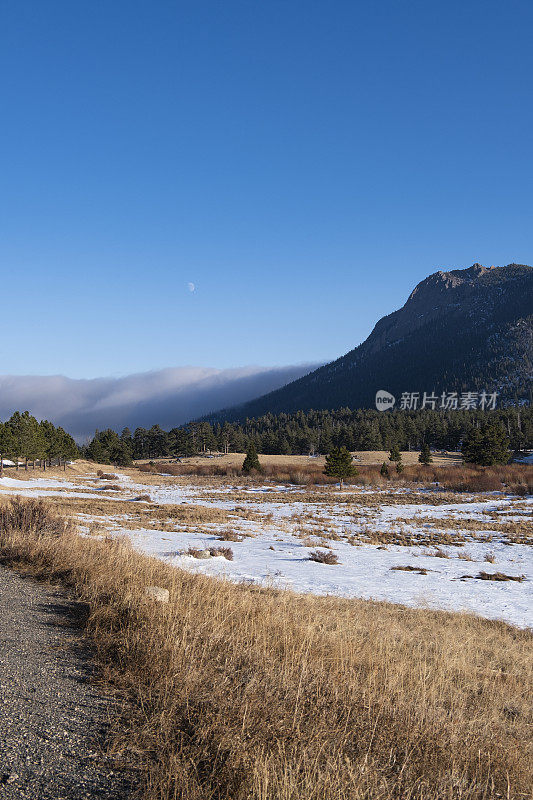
x,y
274,555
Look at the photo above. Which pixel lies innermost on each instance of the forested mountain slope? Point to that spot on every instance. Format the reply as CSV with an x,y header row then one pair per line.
x,y
463,330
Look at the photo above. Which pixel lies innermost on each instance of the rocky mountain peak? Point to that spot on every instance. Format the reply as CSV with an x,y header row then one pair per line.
x,y
464,330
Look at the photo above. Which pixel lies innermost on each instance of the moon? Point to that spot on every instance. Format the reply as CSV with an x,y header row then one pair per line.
x,y
191,287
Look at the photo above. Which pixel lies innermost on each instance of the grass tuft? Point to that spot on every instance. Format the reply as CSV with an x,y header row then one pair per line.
x,y
409,568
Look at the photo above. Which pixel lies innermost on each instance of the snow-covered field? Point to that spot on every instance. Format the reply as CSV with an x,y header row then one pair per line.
x,y
446,540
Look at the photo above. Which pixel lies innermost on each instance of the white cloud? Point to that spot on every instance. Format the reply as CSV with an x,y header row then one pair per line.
x,y
168,397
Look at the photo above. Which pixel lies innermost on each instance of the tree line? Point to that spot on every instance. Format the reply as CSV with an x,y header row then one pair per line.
x,y
23,437
314,432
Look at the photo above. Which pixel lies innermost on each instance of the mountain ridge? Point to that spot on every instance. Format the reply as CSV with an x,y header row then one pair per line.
x,y
459,330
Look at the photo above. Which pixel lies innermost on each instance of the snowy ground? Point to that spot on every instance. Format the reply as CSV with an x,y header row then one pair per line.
x,y
369,531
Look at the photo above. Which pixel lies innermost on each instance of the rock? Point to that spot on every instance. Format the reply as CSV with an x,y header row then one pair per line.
x,y
157,593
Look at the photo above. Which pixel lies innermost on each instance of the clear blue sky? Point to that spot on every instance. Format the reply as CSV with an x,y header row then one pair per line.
x,y
303,163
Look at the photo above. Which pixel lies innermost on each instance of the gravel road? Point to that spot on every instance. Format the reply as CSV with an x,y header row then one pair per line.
x,y
52,718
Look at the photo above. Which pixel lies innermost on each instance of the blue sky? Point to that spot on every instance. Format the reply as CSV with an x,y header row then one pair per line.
x,y
304,164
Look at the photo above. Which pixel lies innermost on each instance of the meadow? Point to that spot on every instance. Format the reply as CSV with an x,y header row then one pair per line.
x,y
248,684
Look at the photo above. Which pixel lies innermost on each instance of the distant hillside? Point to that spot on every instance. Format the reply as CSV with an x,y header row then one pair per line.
x,y
462,330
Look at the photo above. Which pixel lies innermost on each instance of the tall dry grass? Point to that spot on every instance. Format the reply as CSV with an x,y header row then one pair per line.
x,y
514,478
255,694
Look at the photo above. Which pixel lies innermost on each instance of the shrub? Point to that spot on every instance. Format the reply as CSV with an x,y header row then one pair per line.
x,y
33,516
226,552
195,552
439,553
300,478
230,536
323,557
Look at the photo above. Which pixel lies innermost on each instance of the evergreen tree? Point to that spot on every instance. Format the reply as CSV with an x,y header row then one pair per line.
x,y
140,443
251,462
66,444
127,441
425,455
361,429
180,444
6,444
120,454
339,464
384,471
52,444
486,446
395,454
158,442
28,438
103,445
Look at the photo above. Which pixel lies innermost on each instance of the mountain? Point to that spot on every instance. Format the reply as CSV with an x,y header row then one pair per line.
x,y
463,330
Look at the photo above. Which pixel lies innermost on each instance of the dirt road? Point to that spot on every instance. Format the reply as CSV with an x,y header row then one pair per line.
x,y
53,720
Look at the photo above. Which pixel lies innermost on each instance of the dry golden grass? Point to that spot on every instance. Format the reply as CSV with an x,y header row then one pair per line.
x,y
256,694
447,472
517,532
364,457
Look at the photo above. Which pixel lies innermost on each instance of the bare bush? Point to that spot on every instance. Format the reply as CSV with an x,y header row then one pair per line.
x,y
323,557
225,552
210,552
32,516
195,552
439,553
230,536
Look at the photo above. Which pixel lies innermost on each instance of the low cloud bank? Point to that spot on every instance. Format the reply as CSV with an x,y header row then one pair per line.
x,y
168,397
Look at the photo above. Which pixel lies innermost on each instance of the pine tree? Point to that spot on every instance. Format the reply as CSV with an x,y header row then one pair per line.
x,y
425,455
251,462
384,471
6,444
395,454
486,446
97,452
120,454
140,439
28,438
339,464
